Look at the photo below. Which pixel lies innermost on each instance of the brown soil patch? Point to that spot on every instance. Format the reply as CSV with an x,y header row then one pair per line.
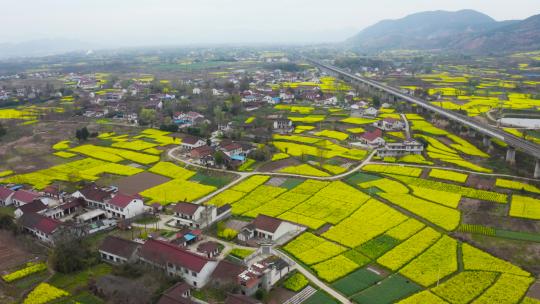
x,y
274,166
139,182
534,291
478,182
12,253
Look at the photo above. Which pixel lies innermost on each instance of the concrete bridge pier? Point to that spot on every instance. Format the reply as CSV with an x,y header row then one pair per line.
x,y
511,155
537,169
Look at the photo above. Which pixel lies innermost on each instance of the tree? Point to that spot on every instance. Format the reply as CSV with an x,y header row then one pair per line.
x,y
6,223
72,255
3,131
84,133
147,117
219,158
78,134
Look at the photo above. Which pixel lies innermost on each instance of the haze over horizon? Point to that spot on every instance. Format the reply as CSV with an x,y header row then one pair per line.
x,y
122,23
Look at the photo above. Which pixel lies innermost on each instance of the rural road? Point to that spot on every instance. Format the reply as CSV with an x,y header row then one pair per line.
x,y
310,276
244,175
453,169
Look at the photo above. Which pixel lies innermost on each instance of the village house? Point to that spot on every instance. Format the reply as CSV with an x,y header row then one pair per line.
x,y
179,293
209,249
372,138
199,216
94,195
40,226
124,206
191,142
36,206
187,119
262,275
117,250
226,274
6,195
406,147
370,112
63,210
203,155
266,228
196,91
282,126
177,262
389,124
116,205
23,197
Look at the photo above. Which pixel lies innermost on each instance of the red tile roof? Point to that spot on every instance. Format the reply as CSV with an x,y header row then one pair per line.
x,y
161,252
190,140
266,223
202,151
227,271
39,222
208,247
5,192
33,207
92,192
186,208
25,196
370,136
122,200
231,147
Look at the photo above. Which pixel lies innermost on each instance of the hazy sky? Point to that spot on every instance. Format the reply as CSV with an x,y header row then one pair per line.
x,y
150,22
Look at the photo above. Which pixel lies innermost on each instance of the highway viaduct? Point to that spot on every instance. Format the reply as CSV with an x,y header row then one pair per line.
x,y
392,94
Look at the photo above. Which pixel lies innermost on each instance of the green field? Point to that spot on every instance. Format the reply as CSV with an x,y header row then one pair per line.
x,y
376,247
393,288
356,282
320,298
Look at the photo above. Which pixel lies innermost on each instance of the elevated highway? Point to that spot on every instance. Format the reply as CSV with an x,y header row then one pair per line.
x,y
489,131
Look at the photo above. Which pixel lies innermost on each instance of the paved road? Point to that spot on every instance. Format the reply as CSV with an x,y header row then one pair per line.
x,y
454,169
243,175
338,296
407,127
512,140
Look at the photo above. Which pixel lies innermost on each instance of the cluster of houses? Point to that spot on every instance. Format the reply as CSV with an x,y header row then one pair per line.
x,y
234,153
200,263
46,213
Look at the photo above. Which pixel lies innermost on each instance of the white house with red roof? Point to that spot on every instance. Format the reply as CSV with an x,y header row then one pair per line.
x,y
370,138
23,197
40,226
5,196
199,216
124,206
177,262
191,142
267,228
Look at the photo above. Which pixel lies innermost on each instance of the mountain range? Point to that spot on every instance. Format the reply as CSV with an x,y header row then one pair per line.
x,y
465,31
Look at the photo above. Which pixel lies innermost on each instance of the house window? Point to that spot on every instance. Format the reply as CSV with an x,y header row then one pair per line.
x,y
194,283
194,273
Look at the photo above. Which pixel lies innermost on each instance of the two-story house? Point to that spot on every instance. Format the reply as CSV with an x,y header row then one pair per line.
x,y
191,142
124,206
199,216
